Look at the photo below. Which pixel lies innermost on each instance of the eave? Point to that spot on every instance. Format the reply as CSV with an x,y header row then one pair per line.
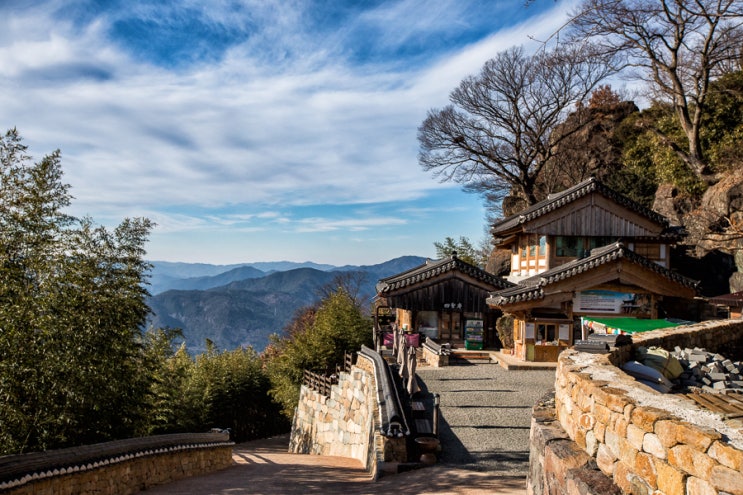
x,y
604,265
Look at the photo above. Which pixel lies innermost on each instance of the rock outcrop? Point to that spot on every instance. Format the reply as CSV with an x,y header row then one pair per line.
x,y
716,224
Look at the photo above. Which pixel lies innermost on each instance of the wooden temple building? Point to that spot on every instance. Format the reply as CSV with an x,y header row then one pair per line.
x,y
444,300
585,252
582,254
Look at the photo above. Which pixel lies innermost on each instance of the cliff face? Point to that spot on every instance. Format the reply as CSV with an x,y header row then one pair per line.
x,y
714,226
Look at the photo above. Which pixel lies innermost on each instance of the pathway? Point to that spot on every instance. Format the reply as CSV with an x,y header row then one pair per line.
x,y
486,414
484,428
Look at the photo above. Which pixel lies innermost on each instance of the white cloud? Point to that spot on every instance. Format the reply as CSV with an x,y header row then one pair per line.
x,y
281,120
235,132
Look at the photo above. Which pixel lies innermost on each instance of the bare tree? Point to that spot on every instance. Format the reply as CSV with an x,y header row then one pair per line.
x,y
677,46
352,283
496,135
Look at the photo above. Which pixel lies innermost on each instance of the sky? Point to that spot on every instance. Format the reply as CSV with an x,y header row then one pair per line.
x,y
256,130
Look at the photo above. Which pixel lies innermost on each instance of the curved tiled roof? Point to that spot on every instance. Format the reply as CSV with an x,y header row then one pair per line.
x,y
432,269
558,200
531,289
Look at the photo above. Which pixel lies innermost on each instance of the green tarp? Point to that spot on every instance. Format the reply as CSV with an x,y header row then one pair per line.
x,y
627,325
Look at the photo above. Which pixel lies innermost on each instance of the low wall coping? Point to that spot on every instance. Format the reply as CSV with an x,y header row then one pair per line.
x,y
393,420
605,374
19,469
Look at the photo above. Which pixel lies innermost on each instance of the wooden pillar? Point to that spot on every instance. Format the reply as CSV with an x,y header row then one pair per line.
x,y
653,307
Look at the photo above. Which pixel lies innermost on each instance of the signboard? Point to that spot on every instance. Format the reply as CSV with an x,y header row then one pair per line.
x,y
531,331
601,301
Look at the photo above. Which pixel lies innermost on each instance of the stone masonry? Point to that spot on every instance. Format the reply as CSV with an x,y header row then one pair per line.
x,y
128,472
347,423
607,433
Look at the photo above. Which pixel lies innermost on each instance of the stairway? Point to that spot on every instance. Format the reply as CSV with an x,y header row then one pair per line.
x,y
460,356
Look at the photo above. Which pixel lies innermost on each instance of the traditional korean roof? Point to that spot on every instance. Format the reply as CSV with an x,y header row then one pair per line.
x,y
734,299
561,199
532,288
431,269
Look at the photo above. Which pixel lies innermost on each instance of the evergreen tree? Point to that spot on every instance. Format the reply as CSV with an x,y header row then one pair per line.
x,y
71,305
317,342
464,249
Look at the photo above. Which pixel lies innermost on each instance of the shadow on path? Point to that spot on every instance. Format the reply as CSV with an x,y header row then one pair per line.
x,y
265,467
483,428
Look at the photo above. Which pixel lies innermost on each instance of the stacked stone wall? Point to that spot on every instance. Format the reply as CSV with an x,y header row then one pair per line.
x,y
437,360
127,472
604,425
347,422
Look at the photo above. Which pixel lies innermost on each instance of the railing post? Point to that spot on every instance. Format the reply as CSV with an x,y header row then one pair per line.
x,y
436,404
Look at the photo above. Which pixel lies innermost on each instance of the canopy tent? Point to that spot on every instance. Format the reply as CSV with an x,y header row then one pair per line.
x,y
625,325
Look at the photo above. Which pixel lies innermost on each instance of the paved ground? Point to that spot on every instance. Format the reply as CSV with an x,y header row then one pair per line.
x,y
486,414
484,429
264,467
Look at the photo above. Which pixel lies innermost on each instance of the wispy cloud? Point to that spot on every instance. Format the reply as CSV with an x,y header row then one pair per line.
x,y
265,105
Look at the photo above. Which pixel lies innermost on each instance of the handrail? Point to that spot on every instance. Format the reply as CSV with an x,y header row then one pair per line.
x,y
436,348
392,416
319,383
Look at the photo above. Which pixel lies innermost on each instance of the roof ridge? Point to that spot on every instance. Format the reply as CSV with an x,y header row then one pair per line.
x,y
437,267
560,199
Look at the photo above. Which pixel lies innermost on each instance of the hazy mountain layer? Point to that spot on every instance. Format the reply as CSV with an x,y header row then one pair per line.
x,y
250,305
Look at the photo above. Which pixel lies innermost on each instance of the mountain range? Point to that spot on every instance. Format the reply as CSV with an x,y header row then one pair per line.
x,y
242,305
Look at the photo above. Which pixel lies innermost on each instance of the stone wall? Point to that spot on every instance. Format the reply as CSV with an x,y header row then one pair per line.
x,y
433,358
346,423
115,468
606,426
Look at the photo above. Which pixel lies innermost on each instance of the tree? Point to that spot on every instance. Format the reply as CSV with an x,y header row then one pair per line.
x,y
497,134
352,282
463,248
594,150
317,341
677,46
72,301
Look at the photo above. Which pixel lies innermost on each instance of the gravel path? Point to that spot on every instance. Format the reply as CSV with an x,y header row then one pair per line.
x,y
486,414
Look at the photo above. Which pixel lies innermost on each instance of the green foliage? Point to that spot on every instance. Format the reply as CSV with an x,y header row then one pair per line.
x,y
172,404
464,249
71,305
648,158
234,394
315,341
504,326
722,134
217,389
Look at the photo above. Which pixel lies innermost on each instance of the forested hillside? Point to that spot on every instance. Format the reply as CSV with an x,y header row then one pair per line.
x,y
247,311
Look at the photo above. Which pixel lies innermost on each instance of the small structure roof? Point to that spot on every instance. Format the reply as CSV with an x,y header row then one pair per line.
x,y
432,269
437,284
561,199
635,325
734,299
533,288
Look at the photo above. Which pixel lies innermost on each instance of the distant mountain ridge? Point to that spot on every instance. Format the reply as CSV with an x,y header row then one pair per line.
x,y
239,305
168,275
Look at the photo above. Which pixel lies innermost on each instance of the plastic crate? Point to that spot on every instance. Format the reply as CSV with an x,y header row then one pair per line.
x,y
472,346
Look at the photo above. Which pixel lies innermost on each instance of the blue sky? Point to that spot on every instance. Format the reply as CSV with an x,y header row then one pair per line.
x,y
255,130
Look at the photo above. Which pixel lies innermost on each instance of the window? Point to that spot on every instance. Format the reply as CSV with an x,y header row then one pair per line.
x,y
577,246
568,246
594,242
546,332
651,251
